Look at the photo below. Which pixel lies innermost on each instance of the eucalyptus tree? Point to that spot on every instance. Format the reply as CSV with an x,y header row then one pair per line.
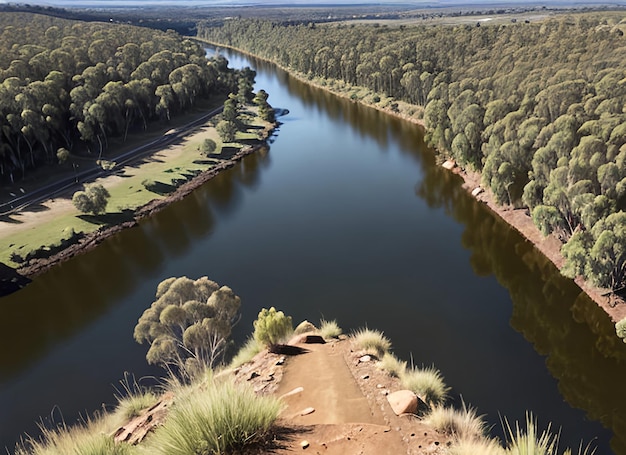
x,y
189,323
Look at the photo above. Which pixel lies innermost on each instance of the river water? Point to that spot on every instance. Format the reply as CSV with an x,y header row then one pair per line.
x,y
345,216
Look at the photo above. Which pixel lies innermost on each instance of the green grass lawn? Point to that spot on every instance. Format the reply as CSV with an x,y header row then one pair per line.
x,y
166,169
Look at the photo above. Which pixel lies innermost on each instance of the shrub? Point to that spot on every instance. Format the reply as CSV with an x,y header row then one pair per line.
x,y
392,365
463,424
329,329
272,327
227,130
372,341
208,146
219,418
93,200
376,99
427,383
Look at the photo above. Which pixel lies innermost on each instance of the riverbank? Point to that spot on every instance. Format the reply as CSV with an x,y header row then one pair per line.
x,y
519,219
60,209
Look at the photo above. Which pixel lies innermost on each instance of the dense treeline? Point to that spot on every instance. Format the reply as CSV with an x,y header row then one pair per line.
x,y
538,109
63,83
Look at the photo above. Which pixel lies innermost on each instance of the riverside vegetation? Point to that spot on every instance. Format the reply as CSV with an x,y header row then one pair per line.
x,y
75,94
211,414
536,108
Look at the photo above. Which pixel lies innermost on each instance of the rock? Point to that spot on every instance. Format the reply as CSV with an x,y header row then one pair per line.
x,y
365,358
295,391
304,444
403,402
304,327
449,165
280,361
253,375
307,411
365,376
476,191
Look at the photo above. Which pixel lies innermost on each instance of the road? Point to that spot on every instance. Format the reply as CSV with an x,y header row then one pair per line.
x,y
49,191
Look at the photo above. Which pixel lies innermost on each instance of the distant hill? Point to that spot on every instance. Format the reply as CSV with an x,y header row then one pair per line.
x,y
311,3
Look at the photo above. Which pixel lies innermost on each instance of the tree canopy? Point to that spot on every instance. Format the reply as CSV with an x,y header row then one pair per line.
x,y
537,108
189,323
75,85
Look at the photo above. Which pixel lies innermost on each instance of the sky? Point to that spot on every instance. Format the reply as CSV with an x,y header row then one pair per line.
x,y
222,3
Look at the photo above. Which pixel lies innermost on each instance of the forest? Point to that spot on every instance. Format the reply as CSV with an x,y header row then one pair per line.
x,y
71,86
536,108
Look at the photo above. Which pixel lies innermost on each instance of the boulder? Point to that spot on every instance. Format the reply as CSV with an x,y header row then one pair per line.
x,y
403,402
304,327
476,191
449,164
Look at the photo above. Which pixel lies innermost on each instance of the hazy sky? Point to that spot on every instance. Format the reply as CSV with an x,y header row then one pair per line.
x,y
417,3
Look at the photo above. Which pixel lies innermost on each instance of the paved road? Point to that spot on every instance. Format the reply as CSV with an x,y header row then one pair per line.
x,y
49,191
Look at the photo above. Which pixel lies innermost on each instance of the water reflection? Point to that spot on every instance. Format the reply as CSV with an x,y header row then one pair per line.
x,y
57,311
576,336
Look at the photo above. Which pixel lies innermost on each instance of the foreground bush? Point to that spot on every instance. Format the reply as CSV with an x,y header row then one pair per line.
x,y
272,327
220,418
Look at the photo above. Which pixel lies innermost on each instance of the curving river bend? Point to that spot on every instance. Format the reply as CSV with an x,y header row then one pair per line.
x,y
345,216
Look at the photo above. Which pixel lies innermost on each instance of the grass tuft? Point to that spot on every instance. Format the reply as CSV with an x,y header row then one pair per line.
x,y
372,341
220,418
251,348
427,383
462,424
477,447
89,438
392,365
530,442
329,329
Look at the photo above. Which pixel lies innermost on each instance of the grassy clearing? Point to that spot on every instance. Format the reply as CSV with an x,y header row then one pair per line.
x,y
216,419
329,329
372,341
165,170
463,424
427,383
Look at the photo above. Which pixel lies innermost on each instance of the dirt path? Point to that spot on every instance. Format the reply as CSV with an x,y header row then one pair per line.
x,y
350,412
328,387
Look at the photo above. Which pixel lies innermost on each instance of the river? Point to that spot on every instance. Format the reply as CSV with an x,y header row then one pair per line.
x,y
345,216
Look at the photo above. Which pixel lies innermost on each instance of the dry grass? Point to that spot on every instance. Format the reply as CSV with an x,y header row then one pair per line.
x,y
371,341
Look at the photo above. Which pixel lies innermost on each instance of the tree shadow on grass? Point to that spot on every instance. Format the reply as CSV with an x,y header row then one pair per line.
x,y
207,161
109,218
161,188
227,153
9,219
36,208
